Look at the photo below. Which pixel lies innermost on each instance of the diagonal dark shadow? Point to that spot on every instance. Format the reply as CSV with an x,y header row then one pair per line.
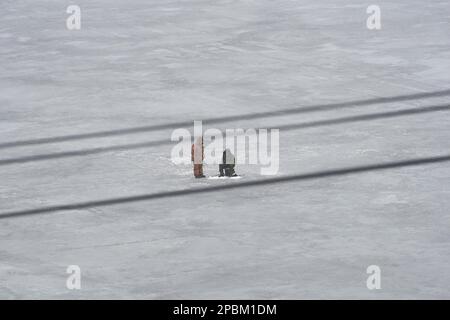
x,y
257,115
295,126
211,189
364,117
83,152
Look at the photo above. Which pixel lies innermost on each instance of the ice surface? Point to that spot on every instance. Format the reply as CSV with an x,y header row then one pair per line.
x,y
141,63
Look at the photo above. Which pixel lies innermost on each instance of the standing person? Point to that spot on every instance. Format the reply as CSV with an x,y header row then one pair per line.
x,y
228,164
197,156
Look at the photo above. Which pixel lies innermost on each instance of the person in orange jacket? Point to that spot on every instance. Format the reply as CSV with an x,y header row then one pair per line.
x,y
197,156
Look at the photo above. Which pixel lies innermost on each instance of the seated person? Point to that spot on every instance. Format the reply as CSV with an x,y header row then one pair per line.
x,y
228,163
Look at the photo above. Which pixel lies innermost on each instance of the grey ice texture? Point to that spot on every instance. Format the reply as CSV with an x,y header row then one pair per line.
x,y
138,63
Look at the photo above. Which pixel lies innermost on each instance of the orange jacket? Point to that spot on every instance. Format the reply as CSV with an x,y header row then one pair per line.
x,y
194,151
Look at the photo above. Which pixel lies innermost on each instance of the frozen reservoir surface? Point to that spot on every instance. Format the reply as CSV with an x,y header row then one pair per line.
x,y
142,63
